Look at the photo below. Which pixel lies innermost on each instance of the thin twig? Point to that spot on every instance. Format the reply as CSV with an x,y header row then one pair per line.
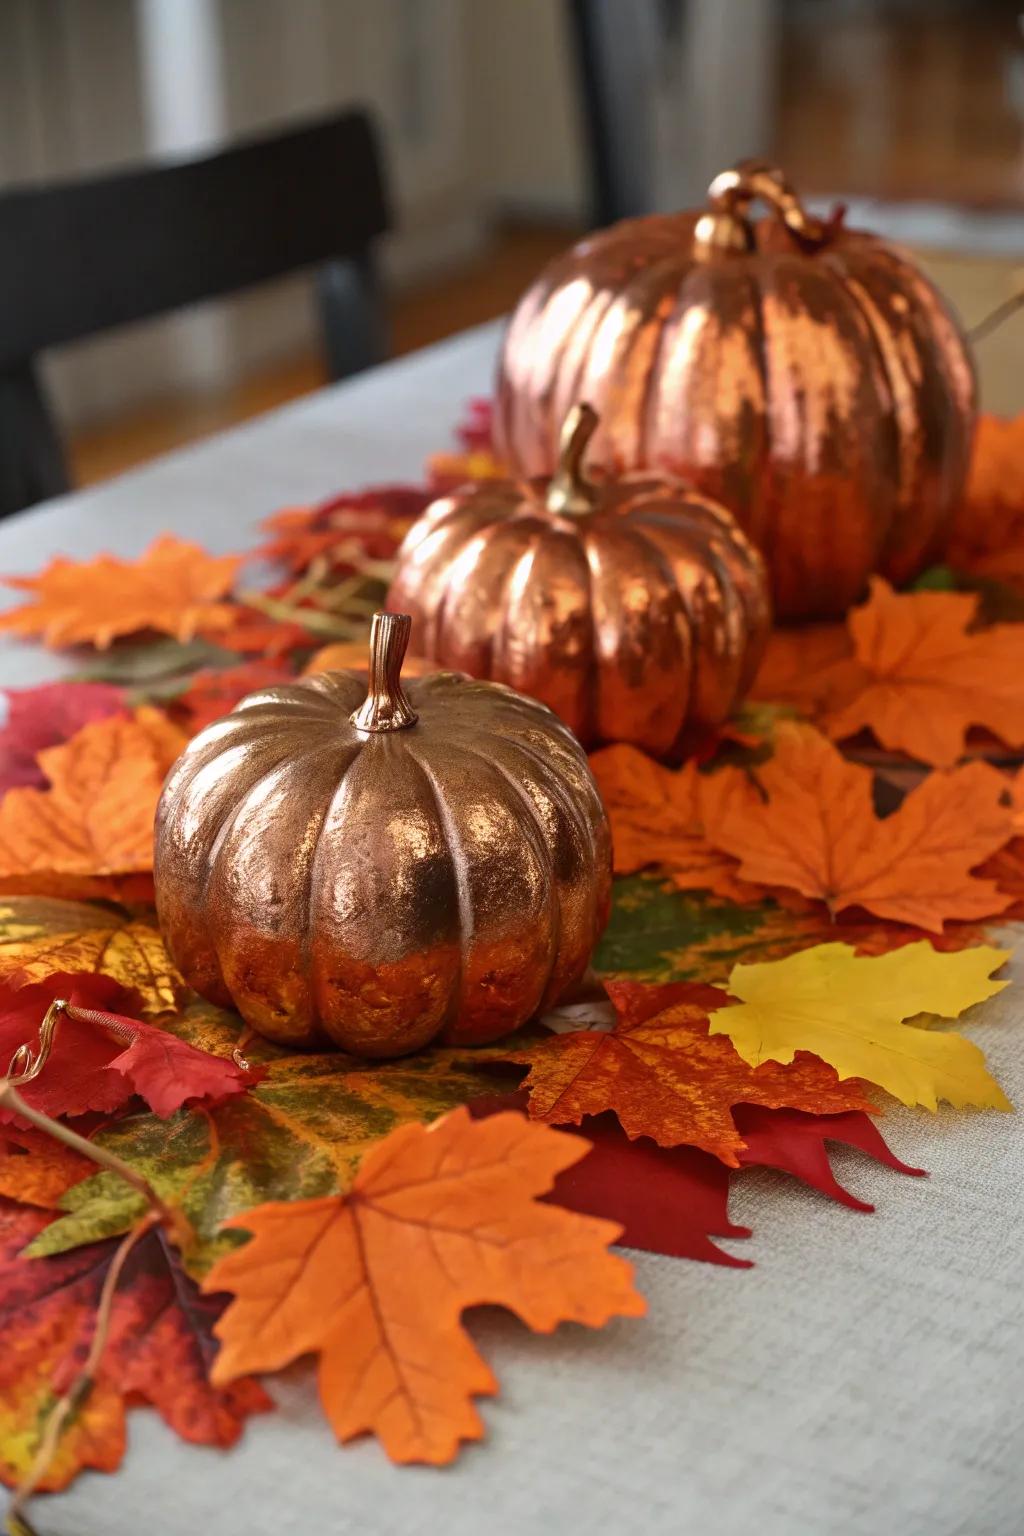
x,y
11,1099
28,1065
66,1406
996,318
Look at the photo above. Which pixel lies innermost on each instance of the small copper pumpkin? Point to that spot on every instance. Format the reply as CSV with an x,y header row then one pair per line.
x,y
807,376
378,873
636,609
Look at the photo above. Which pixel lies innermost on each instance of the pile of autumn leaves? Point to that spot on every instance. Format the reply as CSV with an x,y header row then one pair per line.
x,y
865,790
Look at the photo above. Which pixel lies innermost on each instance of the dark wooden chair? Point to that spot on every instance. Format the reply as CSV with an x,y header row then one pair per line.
x,y
616,49
85,256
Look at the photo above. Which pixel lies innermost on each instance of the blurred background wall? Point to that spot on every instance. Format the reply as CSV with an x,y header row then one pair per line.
x,y
915,105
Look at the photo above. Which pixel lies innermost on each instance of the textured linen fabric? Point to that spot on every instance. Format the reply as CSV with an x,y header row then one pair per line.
x,y
864,1379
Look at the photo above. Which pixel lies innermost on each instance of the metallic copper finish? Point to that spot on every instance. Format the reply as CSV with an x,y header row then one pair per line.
x,y
808,377
441,870
635,608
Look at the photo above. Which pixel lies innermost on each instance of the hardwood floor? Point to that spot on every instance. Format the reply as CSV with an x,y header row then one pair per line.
x,y
480,291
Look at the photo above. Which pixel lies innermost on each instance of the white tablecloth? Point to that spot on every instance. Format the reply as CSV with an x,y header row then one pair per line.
x,y
865,1378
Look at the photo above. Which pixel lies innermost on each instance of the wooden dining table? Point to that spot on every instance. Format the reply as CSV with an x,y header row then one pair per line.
x,y
863,1378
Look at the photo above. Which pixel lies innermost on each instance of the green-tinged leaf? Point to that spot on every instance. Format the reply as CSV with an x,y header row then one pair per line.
x,y
657,933
937,578
299,1133
153,661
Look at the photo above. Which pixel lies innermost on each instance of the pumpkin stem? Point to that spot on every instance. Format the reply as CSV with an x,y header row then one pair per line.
x,y
570,493
386,707
726,225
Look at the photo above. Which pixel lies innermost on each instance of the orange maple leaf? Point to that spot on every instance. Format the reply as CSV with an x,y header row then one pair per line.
x,y
375,1281
988,531
664,1076
807,823
174,587
808,667
927,677
657,818
97,816
447,471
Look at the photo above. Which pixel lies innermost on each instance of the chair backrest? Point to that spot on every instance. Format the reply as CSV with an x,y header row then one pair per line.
x,y
84,256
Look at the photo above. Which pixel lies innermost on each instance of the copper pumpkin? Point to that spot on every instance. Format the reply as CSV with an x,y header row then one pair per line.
x,y
637,610
378,874
808,376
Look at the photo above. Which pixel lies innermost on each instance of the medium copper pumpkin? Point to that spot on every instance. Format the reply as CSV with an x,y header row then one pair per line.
x,y
637,610
808,376
378,872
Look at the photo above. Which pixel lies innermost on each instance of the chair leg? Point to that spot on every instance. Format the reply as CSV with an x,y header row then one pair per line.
x,y
352,316
32,464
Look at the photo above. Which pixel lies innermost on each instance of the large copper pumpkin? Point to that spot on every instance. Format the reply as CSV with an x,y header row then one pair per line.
x,y
637,610
808,376
378,874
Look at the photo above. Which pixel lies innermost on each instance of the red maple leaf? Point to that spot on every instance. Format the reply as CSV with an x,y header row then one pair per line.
x,y
100,1057
796,1143
160,1350
349,530
671,1200
214,692
43,717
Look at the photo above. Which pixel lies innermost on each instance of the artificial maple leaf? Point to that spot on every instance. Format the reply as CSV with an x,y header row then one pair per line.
x,y
43,717
438,1219
663,1075
152,666
36,1169
39,935
254,633
300,1131
671,1200
988,531
808,823
214,692
97,816
797,1143
657,934
175,587
446,472
928,676
100,1056
807,667
674,1200
850,1009
159,1351
346,530
657,817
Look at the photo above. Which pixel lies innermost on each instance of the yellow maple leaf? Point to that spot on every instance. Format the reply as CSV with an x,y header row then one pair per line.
x,y
175,587
849,1009
40,935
